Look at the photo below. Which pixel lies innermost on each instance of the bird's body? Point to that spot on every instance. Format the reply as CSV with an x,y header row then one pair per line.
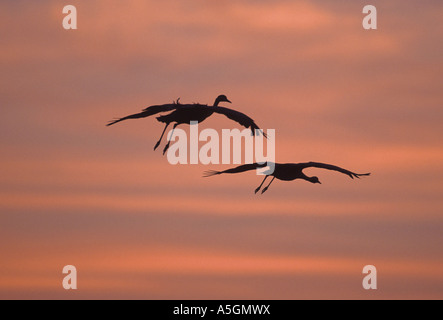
x,y
287,171
188,113
185,113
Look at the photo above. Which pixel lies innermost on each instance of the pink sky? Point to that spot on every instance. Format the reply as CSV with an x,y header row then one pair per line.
x,y
73,191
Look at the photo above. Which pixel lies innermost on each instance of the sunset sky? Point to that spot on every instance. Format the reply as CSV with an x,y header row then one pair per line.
x,y
75,192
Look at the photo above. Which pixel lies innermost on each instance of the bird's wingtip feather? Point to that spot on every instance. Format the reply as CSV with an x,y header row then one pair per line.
x,y
210,173
358,175
111,122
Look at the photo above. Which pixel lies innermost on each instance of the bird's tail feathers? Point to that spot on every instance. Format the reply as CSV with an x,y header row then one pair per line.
x,y
211,173
163,118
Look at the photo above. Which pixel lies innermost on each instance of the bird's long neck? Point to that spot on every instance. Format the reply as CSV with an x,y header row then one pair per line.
x,y
216,102
305,177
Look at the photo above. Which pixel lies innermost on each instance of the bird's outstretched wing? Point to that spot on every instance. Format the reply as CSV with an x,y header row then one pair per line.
x,y
242,168
241,118
332,167
149,111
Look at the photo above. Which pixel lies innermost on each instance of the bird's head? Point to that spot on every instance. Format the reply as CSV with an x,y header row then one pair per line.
x,y
314,180
221,98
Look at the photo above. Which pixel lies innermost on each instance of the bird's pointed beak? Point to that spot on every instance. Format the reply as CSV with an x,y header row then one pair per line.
x,y
319,182
228,101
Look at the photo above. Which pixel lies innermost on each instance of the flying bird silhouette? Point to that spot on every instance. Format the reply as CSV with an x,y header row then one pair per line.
x,y
185,113
286,172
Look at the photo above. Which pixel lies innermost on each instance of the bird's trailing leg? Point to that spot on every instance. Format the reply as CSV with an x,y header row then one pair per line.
x,y
256,190
161,137
169,141
266,188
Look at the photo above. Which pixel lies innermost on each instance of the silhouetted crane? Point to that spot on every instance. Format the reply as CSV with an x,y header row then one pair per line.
x,y
286,172
185,113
